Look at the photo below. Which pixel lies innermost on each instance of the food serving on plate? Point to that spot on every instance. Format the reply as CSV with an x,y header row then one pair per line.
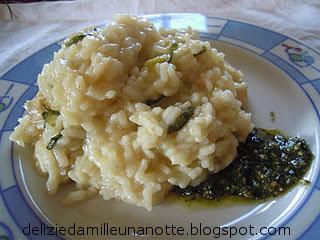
x,y
131,112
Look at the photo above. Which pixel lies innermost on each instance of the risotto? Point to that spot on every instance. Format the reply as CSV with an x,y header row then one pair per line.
x,y
128,112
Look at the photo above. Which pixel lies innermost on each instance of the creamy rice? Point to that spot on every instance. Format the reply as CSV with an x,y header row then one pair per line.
x,y
103,135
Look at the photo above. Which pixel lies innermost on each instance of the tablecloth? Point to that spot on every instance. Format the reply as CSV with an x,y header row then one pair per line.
x,y
36,25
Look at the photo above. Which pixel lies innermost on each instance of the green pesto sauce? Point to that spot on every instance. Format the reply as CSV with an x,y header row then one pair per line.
x,y
267,165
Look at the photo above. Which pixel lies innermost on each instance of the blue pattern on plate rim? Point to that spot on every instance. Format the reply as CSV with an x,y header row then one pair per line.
x,y
253,35
293,60
298,56
30,66
16,112
316,84
6,100
6,233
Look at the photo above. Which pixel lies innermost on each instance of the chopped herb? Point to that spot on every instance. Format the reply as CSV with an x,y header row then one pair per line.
x,y
152,102
272,116
74,39
174,46
50,116
305,182
53,141
181,120
79,37
203,50
160,59
267,165
271,131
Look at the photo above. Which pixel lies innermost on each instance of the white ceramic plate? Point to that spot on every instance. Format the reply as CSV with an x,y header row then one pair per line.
x,y
283,76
